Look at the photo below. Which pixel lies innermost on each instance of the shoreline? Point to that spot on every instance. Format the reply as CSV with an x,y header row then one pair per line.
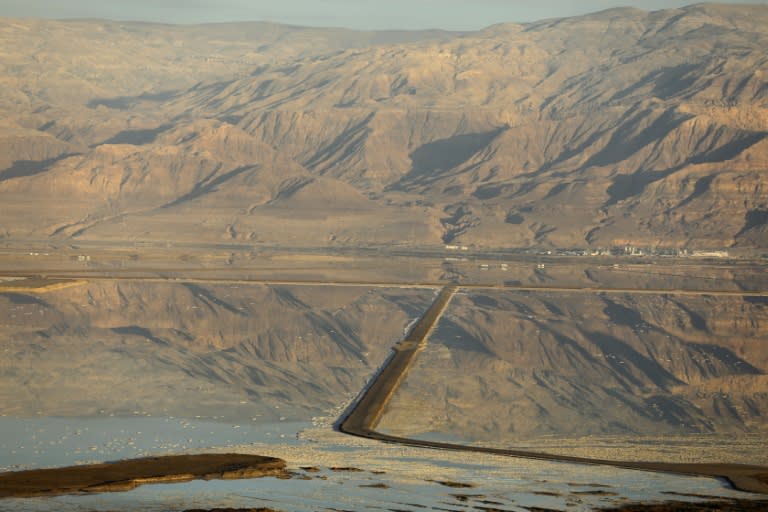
x,y
360,420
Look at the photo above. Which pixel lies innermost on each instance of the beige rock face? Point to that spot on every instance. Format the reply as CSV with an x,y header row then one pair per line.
x,y
622,127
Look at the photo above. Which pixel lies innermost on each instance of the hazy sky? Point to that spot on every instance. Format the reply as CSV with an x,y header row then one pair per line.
x,y
365,14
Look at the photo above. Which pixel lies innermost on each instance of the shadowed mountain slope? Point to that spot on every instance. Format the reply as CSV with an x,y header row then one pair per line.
x,y
621,127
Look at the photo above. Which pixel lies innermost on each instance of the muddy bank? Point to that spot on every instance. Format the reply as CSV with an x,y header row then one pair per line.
x,y
129,474
681,506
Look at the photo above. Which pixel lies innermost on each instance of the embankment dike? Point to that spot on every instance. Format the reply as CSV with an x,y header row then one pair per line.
x,y
366,413
363,417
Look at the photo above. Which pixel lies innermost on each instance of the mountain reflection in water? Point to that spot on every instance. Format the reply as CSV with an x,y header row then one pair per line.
x,y
595,374
667,376
203,351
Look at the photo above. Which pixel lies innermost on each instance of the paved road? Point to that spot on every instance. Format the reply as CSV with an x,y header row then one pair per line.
x,y
127,276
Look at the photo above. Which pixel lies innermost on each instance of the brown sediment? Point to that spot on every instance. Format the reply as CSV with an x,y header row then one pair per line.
x,y
38,284
259,509
594,492
362,419
682,506
466,497
129,474
456,485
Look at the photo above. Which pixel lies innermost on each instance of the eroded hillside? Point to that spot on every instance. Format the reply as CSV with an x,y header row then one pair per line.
x,y
619,127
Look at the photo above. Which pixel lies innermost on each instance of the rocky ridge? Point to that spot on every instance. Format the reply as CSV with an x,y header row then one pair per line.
x,y
621,127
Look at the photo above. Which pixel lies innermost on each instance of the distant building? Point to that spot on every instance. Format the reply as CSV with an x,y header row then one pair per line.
x,y
709,254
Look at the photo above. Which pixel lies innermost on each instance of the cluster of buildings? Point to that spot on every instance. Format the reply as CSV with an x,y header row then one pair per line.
x,y
631,250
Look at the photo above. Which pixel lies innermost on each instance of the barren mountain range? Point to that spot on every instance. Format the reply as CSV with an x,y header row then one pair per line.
x,y
624,126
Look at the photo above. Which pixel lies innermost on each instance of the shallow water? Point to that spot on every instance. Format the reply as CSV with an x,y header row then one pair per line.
x,y
27,443
373,476
630,376
304,349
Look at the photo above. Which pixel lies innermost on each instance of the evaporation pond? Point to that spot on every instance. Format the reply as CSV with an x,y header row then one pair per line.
x,y
27,443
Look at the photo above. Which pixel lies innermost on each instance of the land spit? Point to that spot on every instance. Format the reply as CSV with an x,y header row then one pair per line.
x,y
129,474
37,284
364,415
